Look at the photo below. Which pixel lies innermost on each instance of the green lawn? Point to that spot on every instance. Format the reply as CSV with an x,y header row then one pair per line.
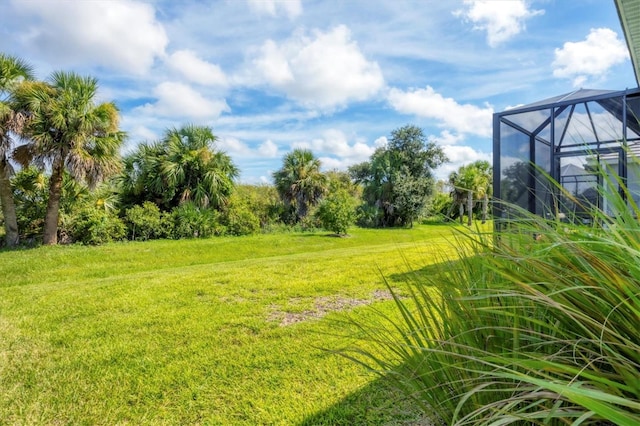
x,y
191,332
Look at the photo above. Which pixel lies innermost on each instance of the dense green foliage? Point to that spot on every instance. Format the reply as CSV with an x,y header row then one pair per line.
x,y
299,182
471,185
92,226
182,167
146,222
210,331
13,71
337,212
398,179
535,325
68,131
73,186
29,188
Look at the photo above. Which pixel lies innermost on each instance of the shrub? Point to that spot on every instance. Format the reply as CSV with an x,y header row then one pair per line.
x,y
439,206
522,330
239,219
94,226
30,196
337,212
368,216
146,222
189,221
262,201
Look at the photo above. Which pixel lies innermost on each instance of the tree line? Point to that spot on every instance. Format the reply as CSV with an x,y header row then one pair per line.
x,y
63,179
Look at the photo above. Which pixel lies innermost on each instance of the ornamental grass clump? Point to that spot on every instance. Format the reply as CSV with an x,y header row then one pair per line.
x,y
539,324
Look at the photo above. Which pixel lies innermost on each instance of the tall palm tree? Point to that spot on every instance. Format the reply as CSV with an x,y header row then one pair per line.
x,y
300,182
69,131
194,169
472,181
13,71
183,166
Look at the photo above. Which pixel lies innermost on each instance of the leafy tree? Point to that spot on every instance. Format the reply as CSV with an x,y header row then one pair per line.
x,y
13,72
337,211
67,130
398,180
471,182
182,167
299,182
341,180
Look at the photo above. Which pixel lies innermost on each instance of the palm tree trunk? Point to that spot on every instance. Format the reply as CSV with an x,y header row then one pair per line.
x,y
301,207
485,207
469,207
461,210
50,236
12,238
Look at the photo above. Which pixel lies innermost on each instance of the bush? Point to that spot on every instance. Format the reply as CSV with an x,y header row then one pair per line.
x,y
337,212
262,201
146,222
239,219
539,326
189,221
368,216
439,206
30,196
94,226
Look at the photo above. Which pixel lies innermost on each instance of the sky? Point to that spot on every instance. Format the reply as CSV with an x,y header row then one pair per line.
x,y
335,77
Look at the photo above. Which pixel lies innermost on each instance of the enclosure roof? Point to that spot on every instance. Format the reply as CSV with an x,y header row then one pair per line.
x,y
629,14
571,97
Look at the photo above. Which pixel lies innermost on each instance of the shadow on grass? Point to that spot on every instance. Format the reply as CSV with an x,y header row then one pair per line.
x,y
375,404
426,275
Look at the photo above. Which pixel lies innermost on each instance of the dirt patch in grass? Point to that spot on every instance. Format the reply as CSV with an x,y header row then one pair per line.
x,y
326,304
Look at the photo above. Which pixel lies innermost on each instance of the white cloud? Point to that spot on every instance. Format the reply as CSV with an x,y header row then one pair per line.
x,y
274,65
591,57
325,71
236,148
117,34
446,138
463,118
382,141
460,155
196,70
179,100
292,8
142,133
334,143
268,149
332,163
499,18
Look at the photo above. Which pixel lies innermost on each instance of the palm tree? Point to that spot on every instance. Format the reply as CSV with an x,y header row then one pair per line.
x,y
195,170
470,182
13,71
140,179
68,131
300,182
182,167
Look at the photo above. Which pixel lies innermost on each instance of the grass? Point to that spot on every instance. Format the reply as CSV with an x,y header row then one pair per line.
x,y
538,327
189,332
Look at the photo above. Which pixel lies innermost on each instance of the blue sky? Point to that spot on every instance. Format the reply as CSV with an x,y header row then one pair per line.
x,y
336,77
